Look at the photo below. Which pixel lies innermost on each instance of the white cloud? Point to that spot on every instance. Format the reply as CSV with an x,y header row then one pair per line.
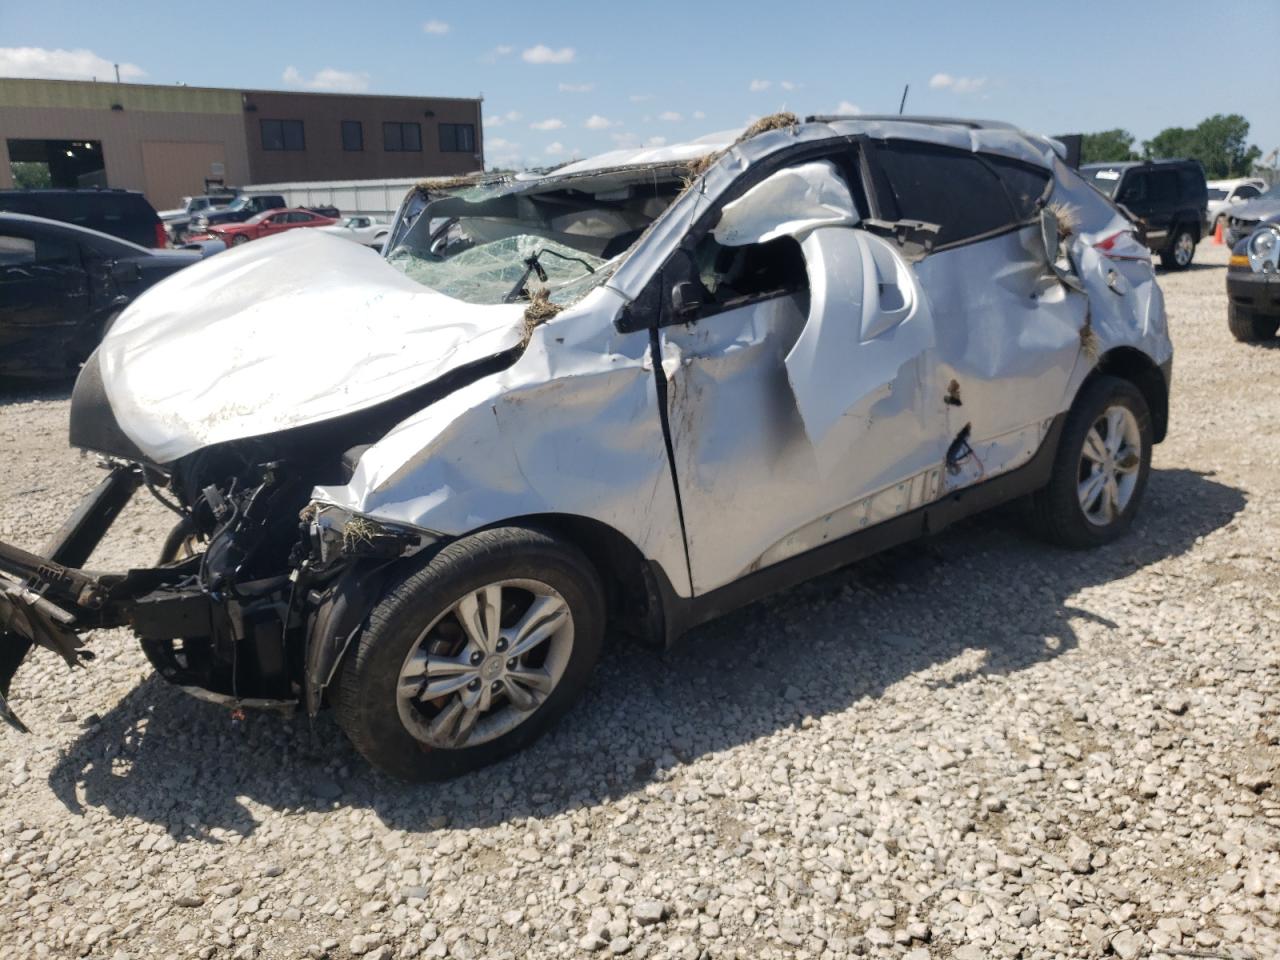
x,y
844,106
497,53
945,81
699,115
759,86
62,65
347,81
498,119
577,87
544,54
551,123
640,97
597,122
656,142
790,85
436,27
497,143
624,139
555,149
670,116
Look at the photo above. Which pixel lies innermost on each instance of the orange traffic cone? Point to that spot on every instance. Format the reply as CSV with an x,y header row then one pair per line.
x,y
1217,232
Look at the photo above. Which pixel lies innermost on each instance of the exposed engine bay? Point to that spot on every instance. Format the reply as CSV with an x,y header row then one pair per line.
x,y
257,590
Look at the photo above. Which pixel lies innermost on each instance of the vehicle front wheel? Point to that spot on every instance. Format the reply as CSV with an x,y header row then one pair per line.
x,y
238,239
1101,467
1250,327
1177,256
473,655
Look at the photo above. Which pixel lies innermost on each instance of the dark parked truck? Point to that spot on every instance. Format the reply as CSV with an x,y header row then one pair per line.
x,y
237,211
118,213
61,286
625,396
1168,198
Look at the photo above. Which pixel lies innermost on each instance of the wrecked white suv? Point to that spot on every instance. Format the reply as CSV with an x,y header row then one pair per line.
x,y
630,394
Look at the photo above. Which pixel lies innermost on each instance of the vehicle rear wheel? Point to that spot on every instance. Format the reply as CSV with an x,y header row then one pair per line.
x,y
1101,467
473,655
1247,326
1178,255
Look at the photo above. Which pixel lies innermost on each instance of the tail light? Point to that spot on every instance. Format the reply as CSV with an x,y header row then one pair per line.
x,y
162,238
1122,245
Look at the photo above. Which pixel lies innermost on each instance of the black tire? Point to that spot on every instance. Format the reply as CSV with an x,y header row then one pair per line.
x,y
1169,255
239,239
364,691
1248,326
1056,508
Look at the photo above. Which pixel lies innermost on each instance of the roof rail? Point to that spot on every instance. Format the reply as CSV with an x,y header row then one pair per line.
x,y
908,118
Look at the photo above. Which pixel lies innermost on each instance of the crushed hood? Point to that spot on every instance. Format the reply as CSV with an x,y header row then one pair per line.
x,y
280,333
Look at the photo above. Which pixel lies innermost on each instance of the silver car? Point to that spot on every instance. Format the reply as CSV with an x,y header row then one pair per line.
x,y
624,396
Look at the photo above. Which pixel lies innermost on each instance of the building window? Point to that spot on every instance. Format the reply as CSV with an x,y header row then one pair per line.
x,y
457,138
398,137
282,135
352,135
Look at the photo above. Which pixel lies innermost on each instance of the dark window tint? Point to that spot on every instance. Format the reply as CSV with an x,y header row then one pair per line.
x,y
1162,186
282,135
15,251
298,218
401,137
457,138
1024,184
950,188
1247,192
352,135
1191,183
56,250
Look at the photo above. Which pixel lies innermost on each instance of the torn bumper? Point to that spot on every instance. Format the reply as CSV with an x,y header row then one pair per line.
x,y
43,597
27,620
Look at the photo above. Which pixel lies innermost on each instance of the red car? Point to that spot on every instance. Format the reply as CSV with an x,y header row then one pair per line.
x,y
265,225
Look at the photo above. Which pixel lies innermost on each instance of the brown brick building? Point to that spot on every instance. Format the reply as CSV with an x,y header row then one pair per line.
x,y
168,141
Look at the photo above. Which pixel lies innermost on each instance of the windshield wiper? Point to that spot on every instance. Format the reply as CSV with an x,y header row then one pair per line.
x,y
531,265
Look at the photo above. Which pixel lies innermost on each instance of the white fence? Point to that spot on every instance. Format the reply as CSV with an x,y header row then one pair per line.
x,y
379,198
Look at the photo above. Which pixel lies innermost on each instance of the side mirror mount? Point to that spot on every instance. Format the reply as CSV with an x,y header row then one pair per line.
x,y
125,271
686,300
1049,236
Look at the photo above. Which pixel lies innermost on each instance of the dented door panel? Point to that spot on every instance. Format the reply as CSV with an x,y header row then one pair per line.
x,y
1008,333
793,424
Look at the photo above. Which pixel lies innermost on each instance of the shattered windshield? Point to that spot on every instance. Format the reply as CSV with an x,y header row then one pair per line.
x,y
499,245
489,272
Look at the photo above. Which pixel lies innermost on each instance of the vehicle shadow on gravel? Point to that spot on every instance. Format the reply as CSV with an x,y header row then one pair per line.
x,y
984,592
19,390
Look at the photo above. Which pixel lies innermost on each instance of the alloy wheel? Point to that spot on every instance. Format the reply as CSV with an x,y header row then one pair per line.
x,y
1184,249
1109,465
485,665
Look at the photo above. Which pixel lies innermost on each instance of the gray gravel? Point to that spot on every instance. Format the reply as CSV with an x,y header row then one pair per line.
x,y
972,747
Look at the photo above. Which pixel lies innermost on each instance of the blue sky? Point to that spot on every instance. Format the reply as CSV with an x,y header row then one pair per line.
x,y
562,79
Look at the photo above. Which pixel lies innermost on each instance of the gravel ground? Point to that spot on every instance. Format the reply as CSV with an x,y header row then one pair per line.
x,y
972,747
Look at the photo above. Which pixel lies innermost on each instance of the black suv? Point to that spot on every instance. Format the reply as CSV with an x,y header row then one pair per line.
x,y
119,213
1168,199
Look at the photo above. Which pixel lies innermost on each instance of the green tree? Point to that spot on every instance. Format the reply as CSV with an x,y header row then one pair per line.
x,y
30,175
1219,142
1171,143
1223,148
1107,146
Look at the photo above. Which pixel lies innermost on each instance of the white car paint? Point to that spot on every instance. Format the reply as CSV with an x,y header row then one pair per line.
x,y
1238,191
793,420
365,230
